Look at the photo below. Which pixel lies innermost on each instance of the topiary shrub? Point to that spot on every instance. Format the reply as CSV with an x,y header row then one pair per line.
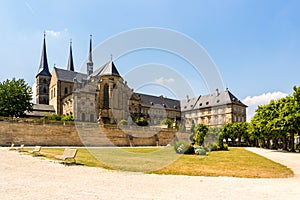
x,y
200,151
183,147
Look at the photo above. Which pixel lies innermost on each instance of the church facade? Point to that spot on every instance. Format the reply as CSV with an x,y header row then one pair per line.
x,y
103,96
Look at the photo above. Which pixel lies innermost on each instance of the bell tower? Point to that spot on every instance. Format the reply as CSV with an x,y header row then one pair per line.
x,y
43,78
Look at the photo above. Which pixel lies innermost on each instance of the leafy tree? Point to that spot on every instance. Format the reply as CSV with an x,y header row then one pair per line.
x,y
167,121
241,132
16,98
277,122
228,132
236,131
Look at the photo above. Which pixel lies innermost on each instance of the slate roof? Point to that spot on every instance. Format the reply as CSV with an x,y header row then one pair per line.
x,y
43,69
159,102
210,100
107,69
40,110
66,75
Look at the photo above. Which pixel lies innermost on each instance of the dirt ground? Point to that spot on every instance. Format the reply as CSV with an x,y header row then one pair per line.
x,y
27,177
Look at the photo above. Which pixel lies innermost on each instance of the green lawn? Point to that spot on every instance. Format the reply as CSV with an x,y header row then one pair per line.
x,y
237,162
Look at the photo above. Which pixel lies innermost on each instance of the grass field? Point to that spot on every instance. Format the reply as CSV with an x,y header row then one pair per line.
x,y
237,162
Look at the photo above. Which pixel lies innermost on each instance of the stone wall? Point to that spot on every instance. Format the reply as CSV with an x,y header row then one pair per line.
x,y
88,134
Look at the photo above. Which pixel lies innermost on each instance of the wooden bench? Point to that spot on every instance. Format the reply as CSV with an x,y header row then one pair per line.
x,y
69,154
20,148
12,147
36,150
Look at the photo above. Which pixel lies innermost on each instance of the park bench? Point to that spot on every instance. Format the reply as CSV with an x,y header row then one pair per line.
x,y
36,150
68,155
20,148
12,147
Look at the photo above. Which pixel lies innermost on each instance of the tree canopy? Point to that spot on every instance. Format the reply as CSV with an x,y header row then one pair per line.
x,y
15,99
275,124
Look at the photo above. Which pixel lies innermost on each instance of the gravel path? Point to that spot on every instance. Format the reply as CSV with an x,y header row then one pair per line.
x,y
26,177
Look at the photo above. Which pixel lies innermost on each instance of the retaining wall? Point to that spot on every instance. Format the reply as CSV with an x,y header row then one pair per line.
x,y
84,134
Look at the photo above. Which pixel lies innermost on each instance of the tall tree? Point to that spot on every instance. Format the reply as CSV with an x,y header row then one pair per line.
x,y
15,99
278,121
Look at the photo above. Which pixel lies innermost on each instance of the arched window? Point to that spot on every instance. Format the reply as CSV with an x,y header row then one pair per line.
x,y
45,81
44,90
106,97
66,90
83,117
91,117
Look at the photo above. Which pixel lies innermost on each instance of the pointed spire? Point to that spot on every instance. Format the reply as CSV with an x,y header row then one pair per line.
x,y
70,61
43,69
90,60
90,63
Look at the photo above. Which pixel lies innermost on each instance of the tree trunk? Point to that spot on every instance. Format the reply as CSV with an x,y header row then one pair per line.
x,y
275,143
292,146
256,142
284,143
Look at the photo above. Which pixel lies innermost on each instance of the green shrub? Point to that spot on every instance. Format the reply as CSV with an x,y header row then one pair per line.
x,y
225,147
67,118
167,121
123,122
212,146
200,151
141,121
183,147
52,117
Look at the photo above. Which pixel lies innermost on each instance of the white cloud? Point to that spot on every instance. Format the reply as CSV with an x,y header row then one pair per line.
x,y
33,92
253,102
55,33
163,80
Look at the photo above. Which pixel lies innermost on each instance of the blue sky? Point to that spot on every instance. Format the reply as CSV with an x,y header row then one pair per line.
x,y
254,44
